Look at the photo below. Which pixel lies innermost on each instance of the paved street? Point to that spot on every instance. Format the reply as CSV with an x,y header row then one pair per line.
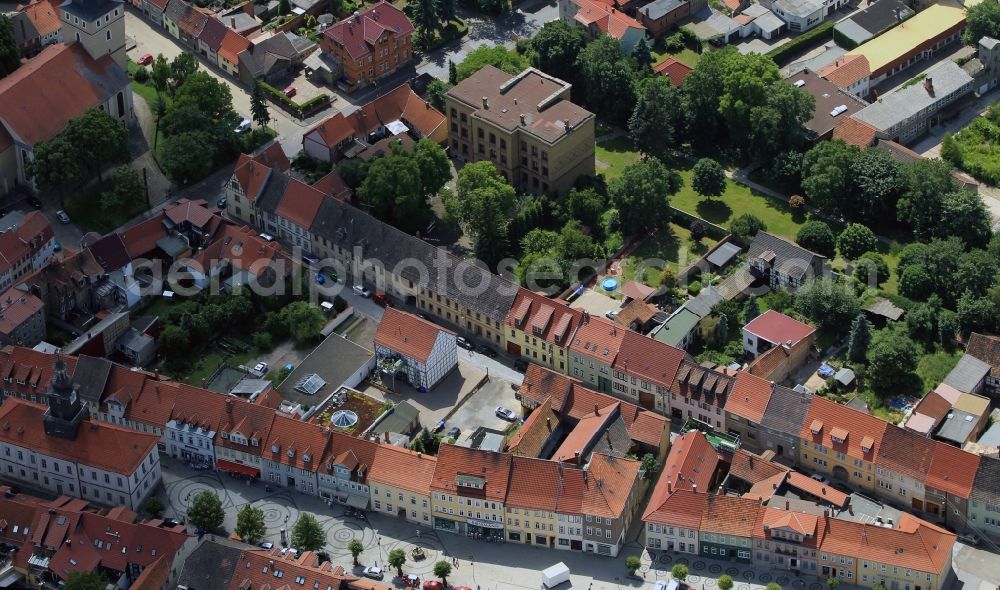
x,y
480,564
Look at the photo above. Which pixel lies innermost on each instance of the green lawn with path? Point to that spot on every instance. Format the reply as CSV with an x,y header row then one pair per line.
x,y
614,155
671,244
687,56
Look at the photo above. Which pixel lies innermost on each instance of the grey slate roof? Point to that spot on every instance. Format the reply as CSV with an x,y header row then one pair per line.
x,y
786,410
703,303
399,418
967,374
885,308
269,199
91,374
89,10
991,438
275,53
801,8
347,227
986,487
210,566
660,8
880,16
896,107
791,258
175,10
957,426
723,254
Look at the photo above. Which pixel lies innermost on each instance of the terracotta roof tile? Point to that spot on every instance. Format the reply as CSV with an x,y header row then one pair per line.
x,y
295,443
260,568
778,328
44,14
359,34
753,468
648,358
140,239
749,397
537,428
599,339
952,470
534,484
800,522
682,508
115,449
408,335
819,489
987,349
454,461
691,463
854,132
16,307
541,317
608,485
905,452
846,71
300,203
729,515
232,45
332,185
674,69
583,433
914,544
402,468
609,20
825,415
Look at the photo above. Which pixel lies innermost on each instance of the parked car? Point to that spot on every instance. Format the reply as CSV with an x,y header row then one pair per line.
x,y
243,127
521,365
362,291
266,237
611,314
145,60
488,351
267,545
260,368
62,216
221,203
35,202
374,572
289,91
506,413
464,343
454,432
320,279
819,478
969,539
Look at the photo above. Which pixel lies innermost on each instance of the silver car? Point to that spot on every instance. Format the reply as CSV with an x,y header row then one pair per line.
x,y
506,413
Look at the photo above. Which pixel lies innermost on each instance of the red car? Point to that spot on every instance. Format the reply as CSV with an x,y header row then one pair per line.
x,y
433,585
289,92
145,60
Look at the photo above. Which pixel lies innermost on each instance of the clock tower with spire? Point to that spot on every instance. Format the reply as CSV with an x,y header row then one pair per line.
x,y
62,419
97,24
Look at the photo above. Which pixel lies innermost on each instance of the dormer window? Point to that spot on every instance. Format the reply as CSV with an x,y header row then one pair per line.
x,y
274,448
225,435
291,453
306,458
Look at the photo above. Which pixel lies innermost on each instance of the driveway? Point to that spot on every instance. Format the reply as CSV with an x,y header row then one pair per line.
x,y
438,403
479,409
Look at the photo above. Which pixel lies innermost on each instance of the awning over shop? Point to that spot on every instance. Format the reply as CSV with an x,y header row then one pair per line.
x,y
238,468
355,501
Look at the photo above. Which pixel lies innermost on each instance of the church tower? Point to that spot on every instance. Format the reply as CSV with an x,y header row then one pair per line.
x,y
98,24
65,412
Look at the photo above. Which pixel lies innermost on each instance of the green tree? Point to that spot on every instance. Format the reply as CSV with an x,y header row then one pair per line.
x,y
679,572
855,240
174,341
826,174
828,304
160,73
725,582
258,106
10,55
446,10
641,195
497,56
860,338
632,564
556,47
650,466
442,569
773,586
284,7
746,226
871,266
915,282
206,511
154,506
948,326
484,203
203,91
875,179
964,215
708,179
436,89
722,331
102,140
817,237
183,157
307,534
183,65
976,314
832,583
397,558
642,56
353,171
950,152
434,166
982,20
250,524
355,547
304,320
659,117
159,108
586,205
975,273
85,581
424,15
127,185
751,309
607,79
392,190
892,358
56,165
452,73
924,184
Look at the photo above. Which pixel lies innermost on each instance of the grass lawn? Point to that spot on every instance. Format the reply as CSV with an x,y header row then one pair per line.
x,y
934,367
615,155
687,56
148,93
671,244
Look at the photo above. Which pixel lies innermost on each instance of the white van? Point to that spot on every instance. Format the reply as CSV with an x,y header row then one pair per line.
x,y
326,306
554,575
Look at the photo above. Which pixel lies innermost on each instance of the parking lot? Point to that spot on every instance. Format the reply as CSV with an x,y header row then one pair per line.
x,y
436,404
480,408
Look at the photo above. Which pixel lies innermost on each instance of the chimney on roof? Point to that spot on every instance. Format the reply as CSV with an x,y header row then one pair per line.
x,y
694,487
721,492
788,505
597,410
548,423
751,461
826,513
486,102
229,406
387,436
929,86
523,119
670,487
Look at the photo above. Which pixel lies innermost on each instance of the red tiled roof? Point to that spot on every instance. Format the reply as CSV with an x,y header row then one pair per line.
x,y
196,212
817,488
232,45
753,468
987,349
59,84
97,444
691,463
295,443
359,34
914,544
403,469
608,485
730,515
534,484
400,103
244,250
299,203
408,335
140,239
531,436
846,70
933,405
16,307
261,568
682,508
650,359
599,339
584,431
538,316
799,522
636,290
608,20
332,185
749,397
674,69
778,328
493,467
44,14
863,429
854,132
952,470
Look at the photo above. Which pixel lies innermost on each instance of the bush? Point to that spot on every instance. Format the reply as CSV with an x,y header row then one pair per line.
x,y
141,75
855,240
154,506
262,341
817,237
694,287
797,202
746,226
339,304
784,54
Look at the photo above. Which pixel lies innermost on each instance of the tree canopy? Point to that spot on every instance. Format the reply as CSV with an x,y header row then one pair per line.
x,y
556,47
827,304
206,511
855,240
659,118
307,534
817,237
607,78
484,203
498,56
641,195
10,55
982,20
708,178
892,358
85,581
250,524
746,226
